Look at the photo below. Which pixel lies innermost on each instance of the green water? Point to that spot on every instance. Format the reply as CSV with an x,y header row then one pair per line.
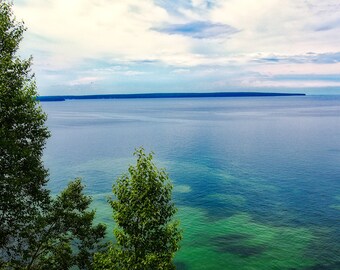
x,y
256,181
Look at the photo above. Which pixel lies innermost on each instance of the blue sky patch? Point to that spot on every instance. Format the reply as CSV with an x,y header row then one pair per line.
x,y
198,29
322,58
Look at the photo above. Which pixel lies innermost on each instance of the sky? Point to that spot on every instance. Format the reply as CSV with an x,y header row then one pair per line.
x,y
152,46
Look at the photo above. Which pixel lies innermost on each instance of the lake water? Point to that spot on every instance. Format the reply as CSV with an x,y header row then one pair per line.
x,y
256,180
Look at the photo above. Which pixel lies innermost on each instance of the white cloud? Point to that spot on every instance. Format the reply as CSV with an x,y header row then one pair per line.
x,y
112,29
84,81
287,69
278,26
63,35
123,29
289,84
181,70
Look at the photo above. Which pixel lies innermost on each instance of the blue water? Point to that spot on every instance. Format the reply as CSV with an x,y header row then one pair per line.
x,y
256,180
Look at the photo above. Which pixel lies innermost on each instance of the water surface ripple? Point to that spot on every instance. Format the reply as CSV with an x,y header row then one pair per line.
x,y
256,180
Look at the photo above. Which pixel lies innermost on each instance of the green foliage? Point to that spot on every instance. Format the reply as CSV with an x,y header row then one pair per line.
x,y
22,138
41,232
36,231
146,236
64,237
68,236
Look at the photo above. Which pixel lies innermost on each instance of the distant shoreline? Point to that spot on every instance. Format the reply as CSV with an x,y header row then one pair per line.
x,y
167,95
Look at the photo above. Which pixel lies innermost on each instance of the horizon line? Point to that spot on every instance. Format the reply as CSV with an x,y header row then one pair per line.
x,y
165,95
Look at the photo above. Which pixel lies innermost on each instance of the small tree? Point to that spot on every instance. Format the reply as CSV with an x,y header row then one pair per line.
x,y
146,235
67,236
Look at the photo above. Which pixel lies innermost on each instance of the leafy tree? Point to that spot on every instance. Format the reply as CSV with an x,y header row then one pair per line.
x,y
67,236
146,235
36,231
23,195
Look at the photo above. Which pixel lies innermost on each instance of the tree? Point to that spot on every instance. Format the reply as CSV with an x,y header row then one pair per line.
x,y
146,235
22,138
36,231
67,236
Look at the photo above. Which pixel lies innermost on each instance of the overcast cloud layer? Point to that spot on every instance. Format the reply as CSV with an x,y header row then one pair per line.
x,y
130,46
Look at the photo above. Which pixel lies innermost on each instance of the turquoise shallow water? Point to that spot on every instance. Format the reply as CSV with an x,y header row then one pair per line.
x,y
256,180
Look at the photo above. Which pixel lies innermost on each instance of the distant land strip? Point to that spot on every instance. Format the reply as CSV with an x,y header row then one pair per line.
x,y
168,95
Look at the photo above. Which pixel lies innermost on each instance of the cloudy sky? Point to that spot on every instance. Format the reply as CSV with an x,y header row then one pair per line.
x,y
136,46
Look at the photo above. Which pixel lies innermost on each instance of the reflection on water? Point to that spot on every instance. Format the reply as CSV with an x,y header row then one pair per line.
x,y
256,180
